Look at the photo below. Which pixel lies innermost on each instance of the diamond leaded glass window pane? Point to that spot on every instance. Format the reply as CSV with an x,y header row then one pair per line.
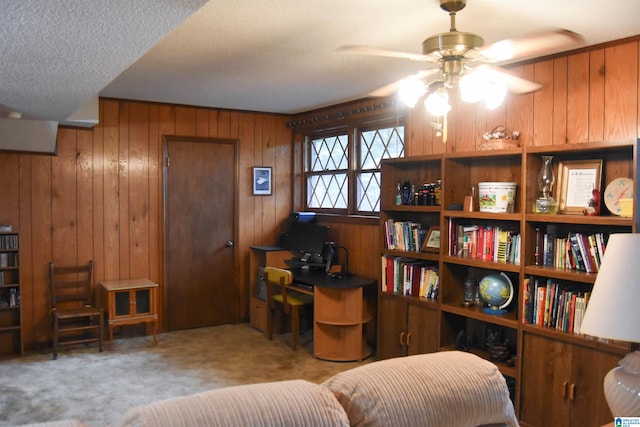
x,y
378,144
327,191
329,153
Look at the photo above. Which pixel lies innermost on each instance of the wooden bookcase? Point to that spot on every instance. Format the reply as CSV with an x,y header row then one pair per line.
x,y
10,308
554,376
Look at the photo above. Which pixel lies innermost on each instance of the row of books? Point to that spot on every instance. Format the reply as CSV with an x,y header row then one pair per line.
x,y
8,241
8,259
407,276
487,243
404,235
554,305
6,278
576,251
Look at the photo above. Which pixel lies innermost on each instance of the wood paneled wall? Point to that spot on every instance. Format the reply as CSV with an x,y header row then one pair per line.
x,y
101,197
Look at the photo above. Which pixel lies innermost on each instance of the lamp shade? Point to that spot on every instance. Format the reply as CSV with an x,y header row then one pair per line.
x,y
612,311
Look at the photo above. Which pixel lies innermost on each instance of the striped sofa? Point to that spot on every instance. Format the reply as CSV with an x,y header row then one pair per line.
x,y
449,388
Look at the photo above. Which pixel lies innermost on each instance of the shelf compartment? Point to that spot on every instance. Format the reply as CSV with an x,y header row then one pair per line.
x,y
459,332
507,320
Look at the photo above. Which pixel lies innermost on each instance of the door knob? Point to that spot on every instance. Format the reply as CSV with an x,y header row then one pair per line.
x,y
229,243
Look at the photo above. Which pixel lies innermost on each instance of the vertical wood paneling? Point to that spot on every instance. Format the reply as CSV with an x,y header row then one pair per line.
x,y
466,130
185,121
64,202
620,103
520,108
26,245
559,101
97,193
596,95
124,236
139,191
268,150
111,200
578,98
10,181
543,104
84,195
41,244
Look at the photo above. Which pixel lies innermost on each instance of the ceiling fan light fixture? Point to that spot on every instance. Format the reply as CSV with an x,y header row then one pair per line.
x,y
437,103
410,91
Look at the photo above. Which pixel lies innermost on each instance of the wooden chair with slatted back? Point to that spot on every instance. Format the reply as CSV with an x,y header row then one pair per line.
x,y
74,317
278,286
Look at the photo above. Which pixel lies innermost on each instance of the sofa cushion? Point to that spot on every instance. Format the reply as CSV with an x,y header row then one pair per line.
x,y
449,388
285,403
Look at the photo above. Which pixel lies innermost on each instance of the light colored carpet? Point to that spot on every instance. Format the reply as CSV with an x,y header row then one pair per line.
x,y
98,388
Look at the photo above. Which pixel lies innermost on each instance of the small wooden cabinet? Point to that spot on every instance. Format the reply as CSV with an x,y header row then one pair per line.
x,y
129,302
564,382
408,327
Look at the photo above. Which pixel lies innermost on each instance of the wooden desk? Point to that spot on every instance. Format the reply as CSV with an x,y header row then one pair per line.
x,y
339,314
129,302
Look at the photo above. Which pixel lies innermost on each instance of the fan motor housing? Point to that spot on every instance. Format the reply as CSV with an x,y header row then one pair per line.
x,y
453,43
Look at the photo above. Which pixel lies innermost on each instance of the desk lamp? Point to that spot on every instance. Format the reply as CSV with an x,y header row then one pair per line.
x,y
613,313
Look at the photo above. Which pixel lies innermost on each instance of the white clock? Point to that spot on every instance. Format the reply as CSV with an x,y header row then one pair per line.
x,y
619,188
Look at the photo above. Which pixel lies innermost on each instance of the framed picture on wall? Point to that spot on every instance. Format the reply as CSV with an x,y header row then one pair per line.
x,y
261,181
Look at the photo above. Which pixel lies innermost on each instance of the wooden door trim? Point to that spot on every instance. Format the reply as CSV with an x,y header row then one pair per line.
x,y
166,139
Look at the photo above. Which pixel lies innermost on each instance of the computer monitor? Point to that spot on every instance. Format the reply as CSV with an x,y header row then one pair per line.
x,y
306,240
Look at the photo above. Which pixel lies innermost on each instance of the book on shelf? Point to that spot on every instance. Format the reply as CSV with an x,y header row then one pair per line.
x,y
408,276
483,242
8,242
576,251
555,305
405,236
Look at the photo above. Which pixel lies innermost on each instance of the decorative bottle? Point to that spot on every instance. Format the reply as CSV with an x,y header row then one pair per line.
x,y
398,194
545,204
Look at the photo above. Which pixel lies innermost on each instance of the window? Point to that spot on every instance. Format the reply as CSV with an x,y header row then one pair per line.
x,y
343,167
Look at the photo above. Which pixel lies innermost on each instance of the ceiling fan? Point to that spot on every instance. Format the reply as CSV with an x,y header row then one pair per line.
x,y
463,60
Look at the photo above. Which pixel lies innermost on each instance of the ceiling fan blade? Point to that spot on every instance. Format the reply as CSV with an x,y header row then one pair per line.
x,y
373,51
539,44
515,84
392,88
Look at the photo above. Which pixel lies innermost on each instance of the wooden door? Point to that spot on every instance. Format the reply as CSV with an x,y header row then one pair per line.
x,y
200,228
546,378
588,404
393,314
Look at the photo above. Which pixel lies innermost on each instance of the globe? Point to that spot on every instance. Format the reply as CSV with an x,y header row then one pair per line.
x,y
497,291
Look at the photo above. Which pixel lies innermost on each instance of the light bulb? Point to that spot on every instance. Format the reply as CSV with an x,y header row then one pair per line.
x,y
437,103
410,91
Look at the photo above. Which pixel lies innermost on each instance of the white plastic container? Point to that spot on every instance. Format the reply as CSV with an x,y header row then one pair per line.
x,y
497,196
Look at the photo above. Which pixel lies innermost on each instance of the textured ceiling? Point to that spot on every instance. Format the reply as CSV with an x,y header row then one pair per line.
x,y
59,54
273,56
